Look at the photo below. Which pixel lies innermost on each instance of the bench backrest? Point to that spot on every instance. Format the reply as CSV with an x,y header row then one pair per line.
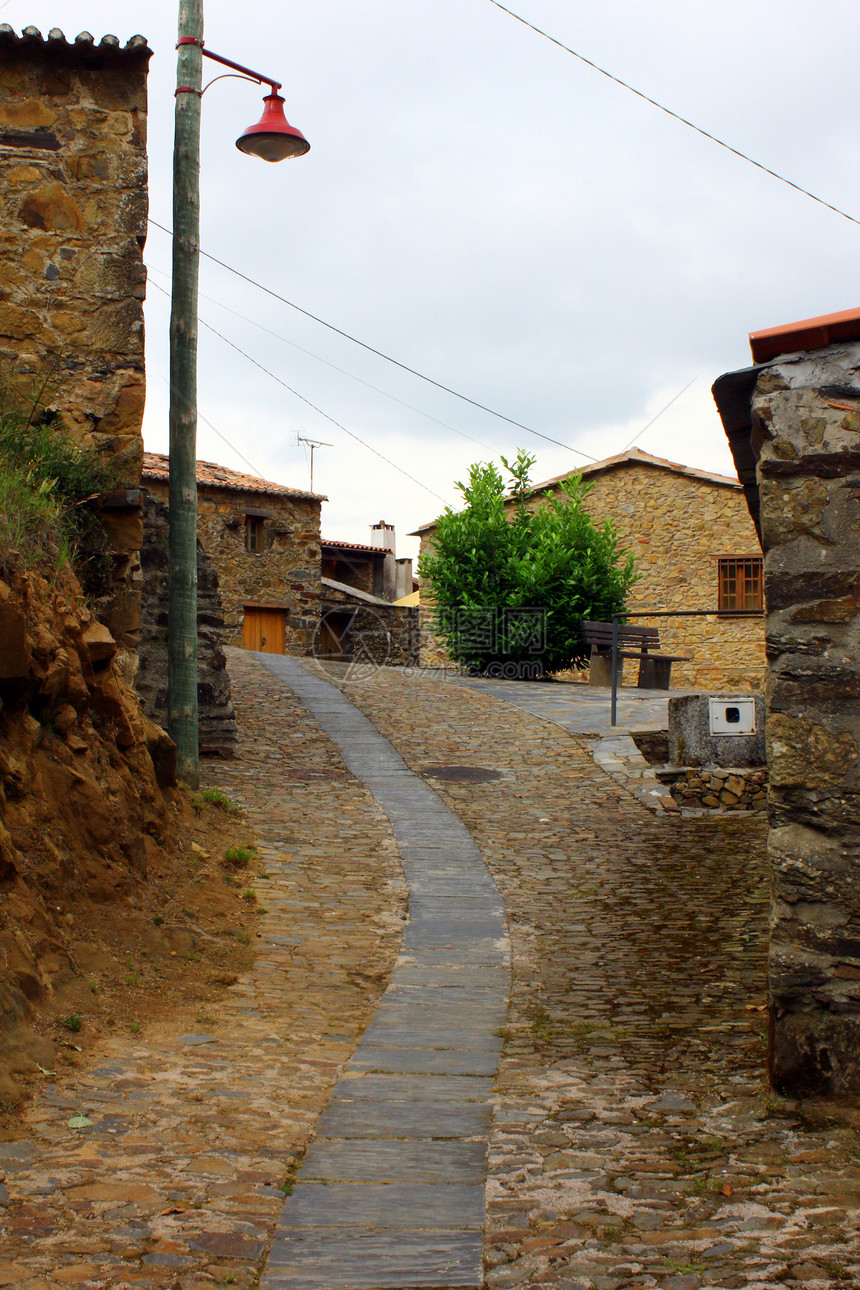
x,y
600,634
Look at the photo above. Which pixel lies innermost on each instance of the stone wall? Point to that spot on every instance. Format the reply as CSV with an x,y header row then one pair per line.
x,y
678,523
73,208
806,436
716,788
217,722
388,635
284,574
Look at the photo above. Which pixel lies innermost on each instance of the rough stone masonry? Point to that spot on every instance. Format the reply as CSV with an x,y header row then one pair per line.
x,y
73,208
797,419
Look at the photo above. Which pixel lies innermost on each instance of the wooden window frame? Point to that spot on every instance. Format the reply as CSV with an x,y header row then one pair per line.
x,y
255,534
740,584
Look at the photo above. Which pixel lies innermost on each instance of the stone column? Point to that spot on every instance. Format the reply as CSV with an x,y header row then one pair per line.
x,y
805,433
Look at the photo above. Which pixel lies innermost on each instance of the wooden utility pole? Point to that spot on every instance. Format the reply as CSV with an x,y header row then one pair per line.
x,y
182,558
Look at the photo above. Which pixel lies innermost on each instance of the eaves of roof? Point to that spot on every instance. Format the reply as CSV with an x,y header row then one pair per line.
x,y
83,49
327,544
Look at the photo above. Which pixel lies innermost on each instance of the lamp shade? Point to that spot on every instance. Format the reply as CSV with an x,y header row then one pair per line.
x,y
273,138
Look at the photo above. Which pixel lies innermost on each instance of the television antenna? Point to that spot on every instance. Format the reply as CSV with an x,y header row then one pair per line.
x,y
313,443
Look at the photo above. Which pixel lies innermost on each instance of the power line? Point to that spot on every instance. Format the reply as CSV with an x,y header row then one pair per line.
x,y
277,336
677,116
674,399
313,406
378,352
200,417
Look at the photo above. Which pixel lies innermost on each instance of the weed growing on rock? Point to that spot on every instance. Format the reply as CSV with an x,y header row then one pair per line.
x,y
74,1022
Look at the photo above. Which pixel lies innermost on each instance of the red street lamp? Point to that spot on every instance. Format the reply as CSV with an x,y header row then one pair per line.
x,y
273,139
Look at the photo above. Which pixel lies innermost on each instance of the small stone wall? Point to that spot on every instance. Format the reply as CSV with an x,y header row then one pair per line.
x,y
712,788
73,208
217,722
388,635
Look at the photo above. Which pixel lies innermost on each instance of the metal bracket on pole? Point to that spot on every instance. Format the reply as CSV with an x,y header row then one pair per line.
x,y
228,62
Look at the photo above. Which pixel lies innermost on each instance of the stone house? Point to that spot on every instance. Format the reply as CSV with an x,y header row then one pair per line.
x,y
73,209
793,424
264,542
359,618
355,565
696,547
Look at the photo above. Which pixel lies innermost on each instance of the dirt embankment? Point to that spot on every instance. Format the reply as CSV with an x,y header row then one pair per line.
x,y
117,902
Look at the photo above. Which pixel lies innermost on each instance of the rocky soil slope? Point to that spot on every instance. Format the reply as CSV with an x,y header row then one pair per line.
x,y
93,833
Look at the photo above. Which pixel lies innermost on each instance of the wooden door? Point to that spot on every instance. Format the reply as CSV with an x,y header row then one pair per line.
x,y
334,625
263,629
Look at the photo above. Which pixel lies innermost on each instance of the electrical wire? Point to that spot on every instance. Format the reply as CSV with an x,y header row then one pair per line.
x,y
313,406
206,422
334,367
677,116
378,352
674,399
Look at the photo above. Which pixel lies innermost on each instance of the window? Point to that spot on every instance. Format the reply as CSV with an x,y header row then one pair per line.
x,y
740,583
253,534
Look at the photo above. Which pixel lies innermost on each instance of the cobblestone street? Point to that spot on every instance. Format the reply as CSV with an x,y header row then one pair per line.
x,y
633,1141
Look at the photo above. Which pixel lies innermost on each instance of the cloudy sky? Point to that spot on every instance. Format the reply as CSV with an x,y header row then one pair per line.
x,y
485,208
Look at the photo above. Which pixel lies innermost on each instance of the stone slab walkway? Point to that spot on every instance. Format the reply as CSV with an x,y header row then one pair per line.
x,y
578,708
391,1192
635,1144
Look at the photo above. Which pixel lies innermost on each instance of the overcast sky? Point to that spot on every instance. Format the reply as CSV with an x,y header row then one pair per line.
x,y
487,209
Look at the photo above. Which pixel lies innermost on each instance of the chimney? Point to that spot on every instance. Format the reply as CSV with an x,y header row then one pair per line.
x,y
382,535
404,578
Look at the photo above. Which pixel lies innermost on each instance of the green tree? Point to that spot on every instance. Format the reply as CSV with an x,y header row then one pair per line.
x,y
512,581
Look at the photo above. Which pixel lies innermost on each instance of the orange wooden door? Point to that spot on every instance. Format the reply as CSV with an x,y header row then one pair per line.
x,y
263,629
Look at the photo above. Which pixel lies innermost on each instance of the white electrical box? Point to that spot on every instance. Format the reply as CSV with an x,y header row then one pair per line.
x,y
732,716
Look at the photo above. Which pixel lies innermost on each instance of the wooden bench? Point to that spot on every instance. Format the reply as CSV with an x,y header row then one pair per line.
x,y
640,643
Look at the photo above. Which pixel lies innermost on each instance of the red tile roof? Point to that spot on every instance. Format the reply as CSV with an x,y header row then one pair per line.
x,y
810,333
155,466
331,545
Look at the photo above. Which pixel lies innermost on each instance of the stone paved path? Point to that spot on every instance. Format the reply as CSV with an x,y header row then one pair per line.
x,y
391,1193
577,707
197,1129
635,1143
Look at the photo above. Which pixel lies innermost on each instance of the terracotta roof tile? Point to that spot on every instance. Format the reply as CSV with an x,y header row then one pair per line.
x,y
353,546
810,333
155,466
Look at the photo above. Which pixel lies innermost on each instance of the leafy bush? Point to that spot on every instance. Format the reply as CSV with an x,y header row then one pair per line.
x,y
47,486
513,581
